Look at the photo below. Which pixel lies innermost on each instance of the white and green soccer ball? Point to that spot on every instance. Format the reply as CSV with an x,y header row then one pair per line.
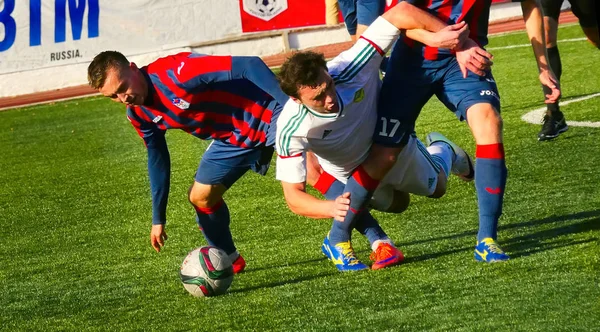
x,y
206,271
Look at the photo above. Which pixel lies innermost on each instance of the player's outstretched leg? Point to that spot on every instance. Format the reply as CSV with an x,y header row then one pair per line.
x,y
462,165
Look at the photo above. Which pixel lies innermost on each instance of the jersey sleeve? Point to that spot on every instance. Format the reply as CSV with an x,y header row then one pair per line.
x,y
291,148
159,164
362,60
196,70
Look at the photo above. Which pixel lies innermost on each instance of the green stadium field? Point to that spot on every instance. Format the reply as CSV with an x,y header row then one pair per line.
x,y
75,223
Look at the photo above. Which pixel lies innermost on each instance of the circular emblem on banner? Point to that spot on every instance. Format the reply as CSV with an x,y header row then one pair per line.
x,y
264,9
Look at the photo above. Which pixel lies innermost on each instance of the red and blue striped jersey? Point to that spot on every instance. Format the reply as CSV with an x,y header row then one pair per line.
x,y
227,98
210,97
475,12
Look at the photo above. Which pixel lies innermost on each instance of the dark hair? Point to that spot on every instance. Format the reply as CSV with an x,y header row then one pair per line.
x,y
101,64
301,69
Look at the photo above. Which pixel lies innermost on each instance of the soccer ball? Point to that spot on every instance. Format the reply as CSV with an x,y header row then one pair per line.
x,y
206,271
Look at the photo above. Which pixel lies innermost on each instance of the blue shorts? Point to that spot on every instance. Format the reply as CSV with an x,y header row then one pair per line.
x,y
410,81
360,12
224,163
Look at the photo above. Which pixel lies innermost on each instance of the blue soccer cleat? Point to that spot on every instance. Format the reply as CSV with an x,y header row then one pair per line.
x,y
342,255
488,251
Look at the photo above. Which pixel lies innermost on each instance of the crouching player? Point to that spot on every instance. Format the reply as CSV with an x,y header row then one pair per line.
x,y
332,112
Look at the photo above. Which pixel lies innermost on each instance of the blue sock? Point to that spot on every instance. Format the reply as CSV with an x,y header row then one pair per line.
x,y
214,224
366,224
361,187
370,228
490,182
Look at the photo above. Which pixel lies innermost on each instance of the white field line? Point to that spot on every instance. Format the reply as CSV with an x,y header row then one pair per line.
x,y
529,45
501,34
536,115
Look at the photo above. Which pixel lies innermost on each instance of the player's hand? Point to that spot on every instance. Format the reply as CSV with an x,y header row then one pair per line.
x,y
158,236
471,57
548,79
451,36
341,205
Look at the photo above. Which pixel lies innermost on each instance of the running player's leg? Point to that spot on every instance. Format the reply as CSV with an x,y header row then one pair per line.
x,y
554,121
221,166
477,100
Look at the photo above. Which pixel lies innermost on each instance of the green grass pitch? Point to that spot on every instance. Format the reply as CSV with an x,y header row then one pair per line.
x,y
75,221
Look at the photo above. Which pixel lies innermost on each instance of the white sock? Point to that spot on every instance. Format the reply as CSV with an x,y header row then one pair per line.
x,y
442,154
376,243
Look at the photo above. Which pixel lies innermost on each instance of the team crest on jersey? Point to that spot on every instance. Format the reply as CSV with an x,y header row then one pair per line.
x,y
184,105
359,95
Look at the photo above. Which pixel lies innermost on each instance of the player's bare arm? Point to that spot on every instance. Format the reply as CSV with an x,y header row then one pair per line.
x,y
406,17
469,55
534,23
450,37
304,204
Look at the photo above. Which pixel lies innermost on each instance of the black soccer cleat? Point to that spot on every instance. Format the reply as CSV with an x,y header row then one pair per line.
x,y
553,125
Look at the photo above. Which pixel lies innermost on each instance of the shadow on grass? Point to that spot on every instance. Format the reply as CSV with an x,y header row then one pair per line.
x,y
308,261
526,244
285,282
540,241
519,246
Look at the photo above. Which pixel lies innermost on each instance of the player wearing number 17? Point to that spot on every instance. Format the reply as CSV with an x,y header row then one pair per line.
x,y
333,112
463,82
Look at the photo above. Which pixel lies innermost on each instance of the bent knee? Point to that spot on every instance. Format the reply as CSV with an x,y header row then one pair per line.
x,y
204,196
486,123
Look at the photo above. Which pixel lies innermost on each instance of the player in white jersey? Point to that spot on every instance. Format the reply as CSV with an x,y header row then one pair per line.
x,y
332,112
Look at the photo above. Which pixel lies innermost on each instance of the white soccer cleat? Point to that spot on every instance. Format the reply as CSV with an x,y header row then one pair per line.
x,y
462,165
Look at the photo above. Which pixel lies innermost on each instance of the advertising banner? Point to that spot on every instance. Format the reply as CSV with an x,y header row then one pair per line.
x,y
38,34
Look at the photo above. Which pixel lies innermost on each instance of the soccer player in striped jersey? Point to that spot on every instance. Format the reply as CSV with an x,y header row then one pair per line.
x,y
463,81
332,112
232,100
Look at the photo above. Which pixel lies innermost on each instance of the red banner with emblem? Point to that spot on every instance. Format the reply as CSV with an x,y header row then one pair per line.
x,y
264,15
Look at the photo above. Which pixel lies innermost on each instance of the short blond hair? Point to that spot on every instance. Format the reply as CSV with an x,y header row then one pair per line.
x,y
101,64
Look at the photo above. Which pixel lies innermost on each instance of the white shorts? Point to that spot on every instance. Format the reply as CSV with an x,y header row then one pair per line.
x,y
414,172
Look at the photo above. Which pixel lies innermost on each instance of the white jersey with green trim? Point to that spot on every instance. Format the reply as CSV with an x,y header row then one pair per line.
x,y
342,140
